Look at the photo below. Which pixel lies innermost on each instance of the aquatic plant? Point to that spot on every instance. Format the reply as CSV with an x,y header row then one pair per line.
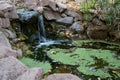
x,y
94,62
31,63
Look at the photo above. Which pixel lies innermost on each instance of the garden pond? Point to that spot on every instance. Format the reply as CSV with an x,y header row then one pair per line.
x,y
88,59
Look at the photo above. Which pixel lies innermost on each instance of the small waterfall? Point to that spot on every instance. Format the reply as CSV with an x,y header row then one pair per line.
x,y
43,41
41,29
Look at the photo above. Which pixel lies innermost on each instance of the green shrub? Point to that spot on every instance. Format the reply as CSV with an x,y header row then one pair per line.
x,y
110,11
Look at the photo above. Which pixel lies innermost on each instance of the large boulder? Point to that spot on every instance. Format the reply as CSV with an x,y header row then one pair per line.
x,y
32,74
8,10
62,77
6,51
11,68
4,40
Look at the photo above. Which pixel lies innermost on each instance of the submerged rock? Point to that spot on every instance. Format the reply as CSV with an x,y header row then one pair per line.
x,y
11,68
32,74
64,76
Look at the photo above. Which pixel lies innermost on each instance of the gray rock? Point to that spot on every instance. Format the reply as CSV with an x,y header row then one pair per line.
x,y
62,1
44,3
36,5
61,7
4,40
77,27
11,68
74,14
62,77
8,10
65,20
53,5
32,74
31,4
6,51
13,13
4,22
19,53
51,15
81,0
4,8
9,34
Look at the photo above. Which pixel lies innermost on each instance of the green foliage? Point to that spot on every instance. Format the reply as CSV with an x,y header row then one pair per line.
x,y
85,6
108,10
31,63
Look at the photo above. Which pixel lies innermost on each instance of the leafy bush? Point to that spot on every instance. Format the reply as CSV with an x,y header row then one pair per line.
x,y
107,10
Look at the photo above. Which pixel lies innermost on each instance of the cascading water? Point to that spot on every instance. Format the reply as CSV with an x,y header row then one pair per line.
x,y
41,29
43,41
27,16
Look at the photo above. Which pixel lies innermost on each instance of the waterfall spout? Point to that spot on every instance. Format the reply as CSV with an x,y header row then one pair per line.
x,y
41,29
43,41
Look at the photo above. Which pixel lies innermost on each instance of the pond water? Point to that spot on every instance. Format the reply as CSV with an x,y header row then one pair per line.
x,y
90,60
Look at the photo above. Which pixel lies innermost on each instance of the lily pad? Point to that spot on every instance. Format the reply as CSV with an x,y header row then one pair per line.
x,y
31,63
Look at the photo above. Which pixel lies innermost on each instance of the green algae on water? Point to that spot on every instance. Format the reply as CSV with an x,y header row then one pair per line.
x,y
95,62
31,63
